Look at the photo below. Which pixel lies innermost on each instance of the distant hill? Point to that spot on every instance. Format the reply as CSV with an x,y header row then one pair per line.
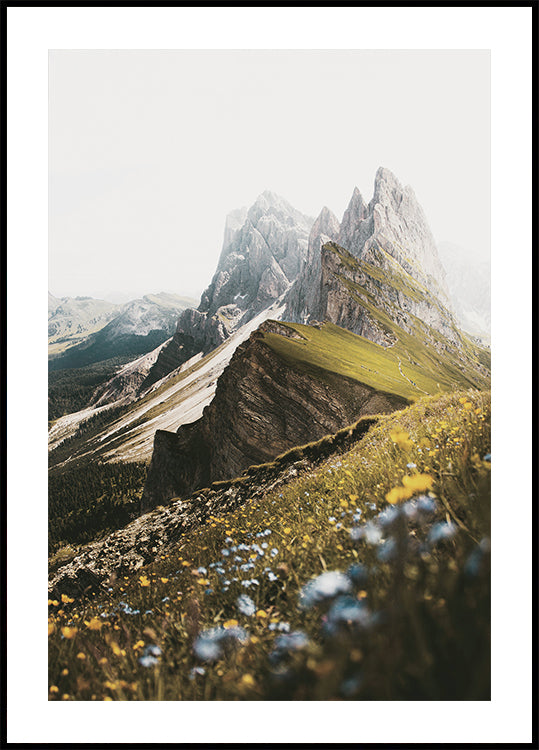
x,y
87,336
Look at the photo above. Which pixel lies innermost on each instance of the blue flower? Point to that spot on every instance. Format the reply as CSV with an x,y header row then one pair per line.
x,y
210,644
288,643
388,516
196,672
274,551
152,650
487,457
245,605
387,551
148,661
373,533
475,560
202,571
442,531
325,586
358,574
294,641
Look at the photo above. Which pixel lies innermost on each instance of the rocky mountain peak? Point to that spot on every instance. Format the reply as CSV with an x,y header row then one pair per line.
x,y
263,251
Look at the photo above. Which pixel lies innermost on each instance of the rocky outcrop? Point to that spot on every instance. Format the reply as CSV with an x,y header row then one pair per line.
x,y
364,298
303,302
263,405
394,222
260,259
123,552
390,232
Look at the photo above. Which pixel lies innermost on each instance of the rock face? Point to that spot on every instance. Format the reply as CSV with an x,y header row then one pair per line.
x,y
390,232
305,299
263,251
263,405
358,295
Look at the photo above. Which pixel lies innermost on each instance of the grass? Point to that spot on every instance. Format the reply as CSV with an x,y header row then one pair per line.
x,y
413,622
335,350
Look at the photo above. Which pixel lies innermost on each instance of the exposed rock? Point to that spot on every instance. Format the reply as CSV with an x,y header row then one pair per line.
x,y
356,295
260,259
263,405
304,297
125,551
390,232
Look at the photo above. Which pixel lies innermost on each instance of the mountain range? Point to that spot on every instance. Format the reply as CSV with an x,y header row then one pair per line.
x,y
229,389
283,494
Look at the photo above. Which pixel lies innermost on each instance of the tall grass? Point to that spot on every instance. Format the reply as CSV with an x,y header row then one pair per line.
x,y
365,578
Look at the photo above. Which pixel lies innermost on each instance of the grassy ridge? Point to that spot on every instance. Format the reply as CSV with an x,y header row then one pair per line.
x,y
410,621
337,350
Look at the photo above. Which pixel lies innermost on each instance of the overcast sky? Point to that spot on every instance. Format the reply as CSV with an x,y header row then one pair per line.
x,y
149,150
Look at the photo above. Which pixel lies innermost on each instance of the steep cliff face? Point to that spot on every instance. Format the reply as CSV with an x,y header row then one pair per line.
x,y
263,251
303,301
390,233
368,297
265,403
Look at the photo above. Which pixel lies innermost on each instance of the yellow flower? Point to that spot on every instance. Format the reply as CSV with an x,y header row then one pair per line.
x,y
462,400
354,498
468,406
203,582
144,581
248,680
81,656
65,672
397,494
68,632
261,614
164,580
107,698
418,482
287,530
401,439
103,660
137,645
53,689
67,599
230,624
52,628
93,624
116,650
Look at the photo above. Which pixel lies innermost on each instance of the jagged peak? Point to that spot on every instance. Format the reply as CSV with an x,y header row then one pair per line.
x,y
326,219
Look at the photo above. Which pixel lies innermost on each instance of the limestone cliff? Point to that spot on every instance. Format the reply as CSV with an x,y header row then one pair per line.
x,y
263,251
264,404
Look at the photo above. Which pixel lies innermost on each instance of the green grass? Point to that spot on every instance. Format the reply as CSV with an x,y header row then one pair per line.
x,y
429,634
336,350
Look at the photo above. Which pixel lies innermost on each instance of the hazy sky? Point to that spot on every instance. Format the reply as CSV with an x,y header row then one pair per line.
x,y
149,150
